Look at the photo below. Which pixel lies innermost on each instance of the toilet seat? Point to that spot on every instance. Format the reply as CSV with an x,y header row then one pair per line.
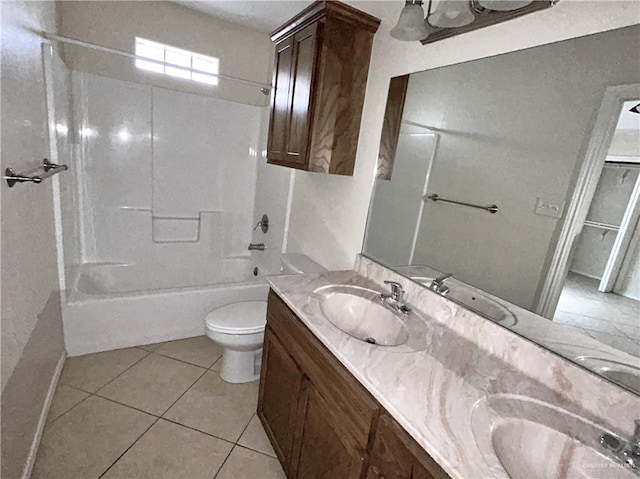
x,y
246,317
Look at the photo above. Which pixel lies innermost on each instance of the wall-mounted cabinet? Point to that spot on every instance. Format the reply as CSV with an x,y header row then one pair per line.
x,y
320,420
319,79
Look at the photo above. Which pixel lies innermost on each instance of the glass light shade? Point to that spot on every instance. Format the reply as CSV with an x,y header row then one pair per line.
x,y
410,26
503,5
452,14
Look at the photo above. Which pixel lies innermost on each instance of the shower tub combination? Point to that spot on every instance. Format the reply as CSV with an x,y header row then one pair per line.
x,y
116,305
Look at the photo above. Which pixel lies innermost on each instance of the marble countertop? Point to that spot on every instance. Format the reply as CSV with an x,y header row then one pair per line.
x,y
432,392
427,398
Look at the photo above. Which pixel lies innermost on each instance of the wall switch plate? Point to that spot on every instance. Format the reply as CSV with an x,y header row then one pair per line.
x,y
544,208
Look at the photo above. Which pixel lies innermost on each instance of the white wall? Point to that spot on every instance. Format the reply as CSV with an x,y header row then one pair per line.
x,y
243,52
329,213
32,342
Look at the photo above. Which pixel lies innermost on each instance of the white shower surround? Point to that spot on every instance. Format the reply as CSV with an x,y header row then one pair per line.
x,y
103,317
126,287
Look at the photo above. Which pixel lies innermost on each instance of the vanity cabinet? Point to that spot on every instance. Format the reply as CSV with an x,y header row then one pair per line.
x,y
321,421
320,73
395,455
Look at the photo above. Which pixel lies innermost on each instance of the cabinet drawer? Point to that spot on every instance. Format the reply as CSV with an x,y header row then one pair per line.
x,y
357,409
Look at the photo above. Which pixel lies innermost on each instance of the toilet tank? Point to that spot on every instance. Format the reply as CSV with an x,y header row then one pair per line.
x,y
296,263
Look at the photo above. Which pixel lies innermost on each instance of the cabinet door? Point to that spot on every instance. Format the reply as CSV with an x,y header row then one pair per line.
x,y
280,101
390,458
395,455
280,384
304,58
323,448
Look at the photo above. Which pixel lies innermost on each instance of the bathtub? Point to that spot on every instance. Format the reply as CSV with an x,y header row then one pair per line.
x,y
115,306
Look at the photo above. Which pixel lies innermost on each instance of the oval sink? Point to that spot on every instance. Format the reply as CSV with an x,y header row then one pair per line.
x,y
358,312
530,439
475,301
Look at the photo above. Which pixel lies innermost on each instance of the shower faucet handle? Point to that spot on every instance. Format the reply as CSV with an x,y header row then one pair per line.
x,y
263,224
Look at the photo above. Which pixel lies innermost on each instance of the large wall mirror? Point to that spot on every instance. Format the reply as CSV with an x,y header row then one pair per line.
x,y
519,175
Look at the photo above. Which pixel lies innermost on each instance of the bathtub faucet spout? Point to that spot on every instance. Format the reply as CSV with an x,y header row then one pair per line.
x,y
256,246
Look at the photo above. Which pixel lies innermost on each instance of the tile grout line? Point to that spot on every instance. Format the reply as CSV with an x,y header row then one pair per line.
x,y
120,374
187,362
127,449
152,424
93,393
234,446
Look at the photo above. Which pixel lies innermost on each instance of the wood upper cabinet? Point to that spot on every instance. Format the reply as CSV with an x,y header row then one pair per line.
x,y
320,73
322,422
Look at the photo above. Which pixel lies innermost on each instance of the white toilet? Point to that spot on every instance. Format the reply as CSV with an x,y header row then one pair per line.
x,y
239,327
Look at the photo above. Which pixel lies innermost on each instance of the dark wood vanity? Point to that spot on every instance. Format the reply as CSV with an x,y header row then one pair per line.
x,y
319,79
320,420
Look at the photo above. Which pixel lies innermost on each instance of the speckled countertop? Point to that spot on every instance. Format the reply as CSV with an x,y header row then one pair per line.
x,y
432,391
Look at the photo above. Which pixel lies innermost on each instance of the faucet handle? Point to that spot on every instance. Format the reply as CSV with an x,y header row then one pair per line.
x,y
396,290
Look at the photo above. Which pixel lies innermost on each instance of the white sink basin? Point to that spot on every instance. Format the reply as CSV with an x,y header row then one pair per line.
x,y
364,319
359,313
624,374
530,439
475,301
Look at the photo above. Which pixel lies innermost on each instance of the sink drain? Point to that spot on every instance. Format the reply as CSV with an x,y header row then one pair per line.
x,y
370,341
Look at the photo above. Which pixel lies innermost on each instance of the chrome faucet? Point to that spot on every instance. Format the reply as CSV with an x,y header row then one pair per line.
x,y
256,246
438,285
395,299
626,452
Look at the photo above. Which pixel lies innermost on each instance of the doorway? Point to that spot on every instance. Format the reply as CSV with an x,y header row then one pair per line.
x,y
601,294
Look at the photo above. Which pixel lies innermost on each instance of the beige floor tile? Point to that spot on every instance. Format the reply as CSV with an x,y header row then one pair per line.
x,y
153,384
216,407
83,443
217,365
255,438
64,399
168,450
93,371
200,351
246,464
151,347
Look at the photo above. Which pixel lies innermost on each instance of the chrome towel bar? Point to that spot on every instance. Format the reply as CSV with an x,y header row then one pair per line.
x,y
49,168
434,197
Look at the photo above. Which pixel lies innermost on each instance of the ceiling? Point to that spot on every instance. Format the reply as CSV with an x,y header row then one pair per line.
x,y
267,15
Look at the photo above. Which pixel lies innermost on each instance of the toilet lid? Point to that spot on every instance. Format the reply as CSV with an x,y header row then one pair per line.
x,y
239,318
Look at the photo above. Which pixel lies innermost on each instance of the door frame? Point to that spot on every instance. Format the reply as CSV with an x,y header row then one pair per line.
x,y
623,241
595,156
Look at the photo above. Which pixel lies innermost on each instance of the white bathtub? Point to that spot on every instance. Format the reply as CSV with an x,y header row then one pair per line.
x,y
114,306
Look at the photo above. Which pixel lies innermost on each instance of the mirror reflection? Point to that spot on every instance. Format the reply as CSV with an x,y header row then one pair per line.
x,y
511,185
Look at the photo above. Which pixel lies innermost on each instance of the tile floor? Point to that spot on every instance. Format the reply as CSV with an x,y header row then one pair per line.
x,y
159,411
610,318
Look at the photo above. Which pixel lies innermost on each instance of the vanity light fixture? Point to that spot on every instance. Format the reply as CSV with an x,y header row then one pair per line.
x,y
411,24
451,14
453,17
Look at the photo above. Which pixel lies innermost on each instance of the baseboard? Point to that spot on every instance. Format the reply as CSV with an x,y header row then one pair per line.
x,y
31,458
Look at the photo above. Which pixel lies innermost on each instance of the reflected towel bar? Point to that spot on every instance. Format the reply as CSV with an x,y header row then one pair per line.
x,y
491,208
49,168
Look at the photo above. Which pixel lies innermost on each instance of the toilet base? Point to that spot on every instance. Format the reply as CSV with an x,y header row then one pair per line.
x,y
241,366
